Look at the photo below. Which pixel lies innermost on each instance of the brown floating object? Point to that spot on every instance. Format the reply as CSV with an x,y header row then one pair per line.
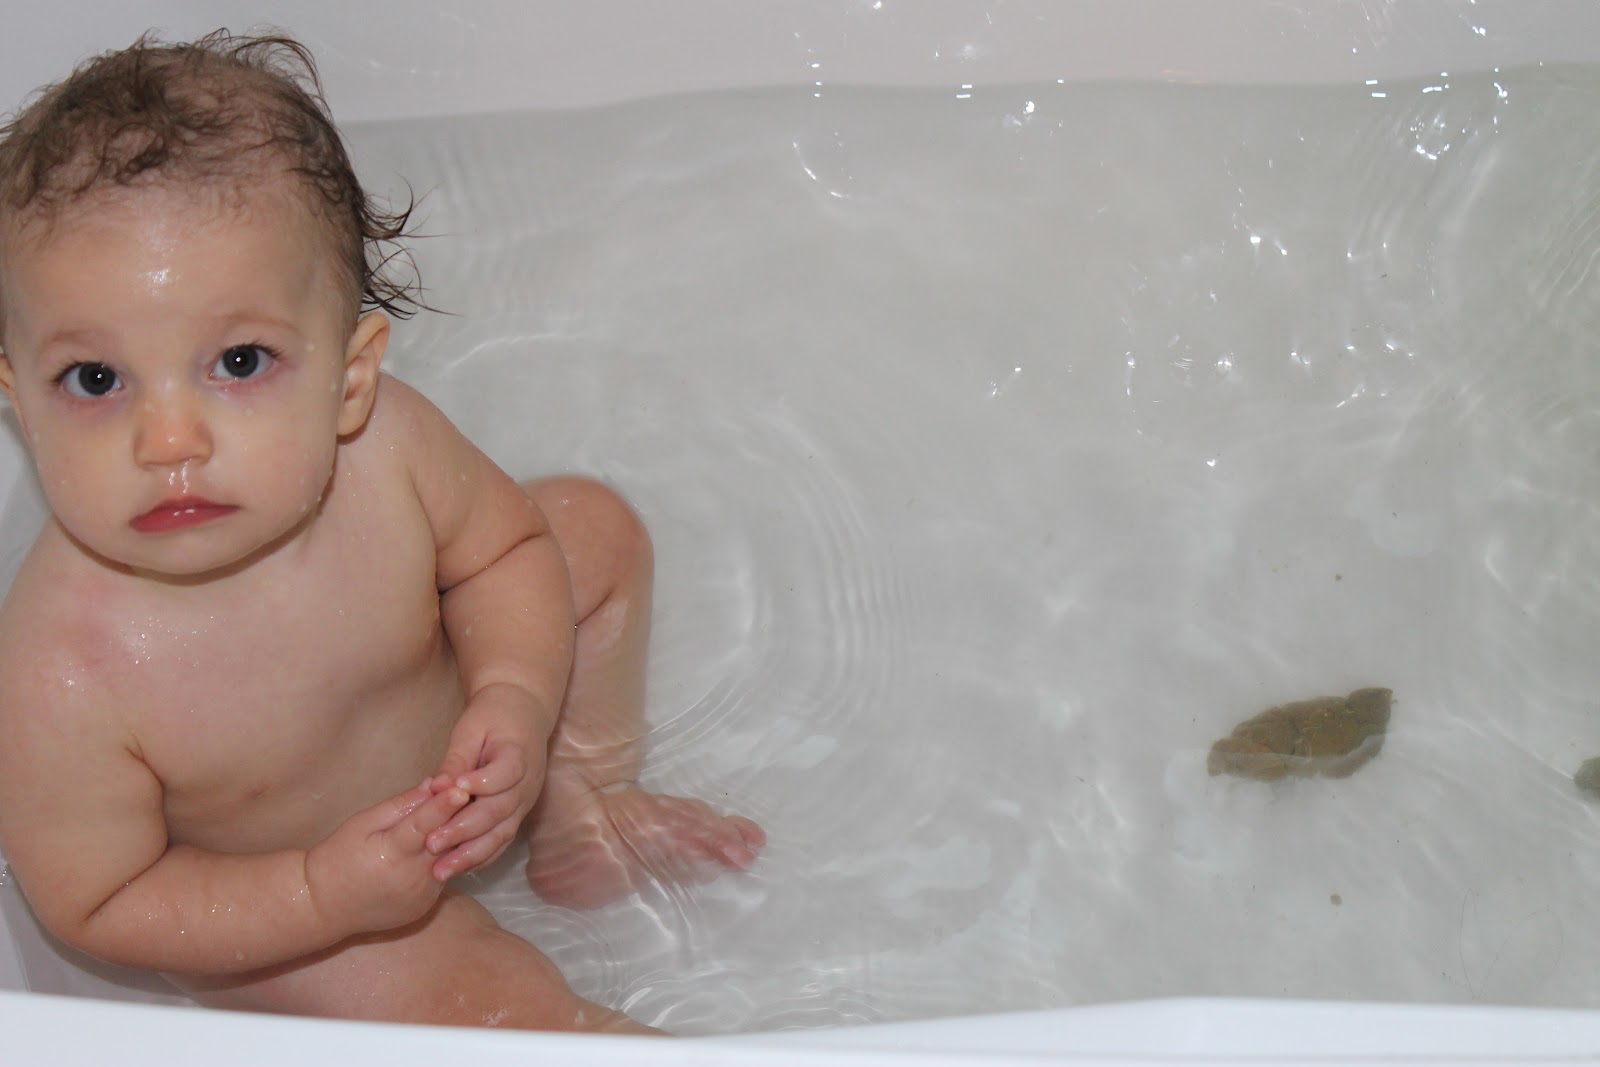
x,y
1331,736
1588,776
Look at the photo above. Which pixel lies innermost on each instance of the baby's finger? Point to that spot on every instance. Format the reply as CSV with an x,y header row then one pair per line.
x,y
480,851
503,767
386,814
475,820
411,833
465,751
451,768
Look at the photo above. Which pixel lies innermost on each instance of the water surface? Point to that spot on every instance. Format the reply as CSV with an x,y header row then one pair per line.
x,y
1005,448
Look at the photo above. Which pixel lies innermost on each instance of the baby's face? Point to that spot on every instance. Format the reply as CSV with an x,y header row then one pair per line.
x,y
182,370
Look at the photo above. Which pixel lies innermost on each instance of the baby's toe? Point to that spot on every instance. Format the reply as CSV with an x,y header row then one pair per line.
x,y
736,842
754,836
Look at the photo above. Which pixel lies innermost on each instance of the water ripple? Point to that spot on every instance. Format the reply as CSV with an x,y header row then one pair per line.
x,y
987,496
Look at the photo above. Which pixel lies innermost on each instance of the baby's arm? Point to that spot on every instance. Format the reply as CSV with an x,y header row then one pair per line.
x,y
506,605
82,826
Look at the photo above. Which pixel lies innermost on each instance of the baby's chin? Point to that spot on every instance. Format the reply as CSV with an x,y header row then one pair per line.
x,y
186,557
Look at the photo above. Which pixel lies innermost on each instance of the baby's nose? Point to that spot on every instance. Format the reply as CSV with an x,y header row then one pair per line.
x,y
170,431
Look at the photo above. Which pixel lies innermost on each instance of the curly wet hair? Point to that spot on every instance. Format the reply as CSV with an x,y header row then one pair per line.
x,y
216,110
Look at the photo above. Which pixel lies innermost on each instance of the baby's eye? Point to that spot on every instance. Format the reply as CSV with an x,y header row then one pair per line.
x,y
242,361
88,379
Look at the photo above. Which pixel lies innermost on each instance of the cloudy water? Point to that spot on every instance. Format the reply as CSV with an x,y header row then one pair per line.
x,y
1003,449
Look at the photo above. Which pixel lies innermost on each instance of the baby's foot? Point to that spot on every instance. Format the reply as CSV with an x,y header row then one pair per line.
x,y
590,846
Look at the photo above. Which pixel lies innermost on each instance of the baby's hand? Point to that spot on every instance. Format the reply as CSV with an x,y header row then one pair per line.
x,y
497,753
374,872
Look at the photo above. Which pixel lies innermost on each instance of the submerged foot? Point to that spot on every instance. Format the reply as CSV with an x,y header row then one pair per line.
x,y
590,846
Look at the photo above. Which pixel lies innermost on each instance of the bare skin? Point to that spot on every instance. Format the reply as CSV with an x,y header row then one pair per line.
x,y
258,715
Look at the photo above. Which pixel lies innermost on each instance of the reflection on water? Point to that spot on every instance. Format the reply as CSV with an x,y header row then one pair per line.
x,y
1001,454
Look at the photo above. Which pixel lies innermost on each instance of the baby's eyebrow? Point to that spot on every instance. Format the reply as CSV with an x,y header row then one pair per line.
x,y
75,337
256,320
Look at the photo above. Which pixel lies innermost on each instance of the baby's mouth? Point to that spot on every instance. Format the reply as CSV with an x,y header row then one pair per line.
x,y
178,513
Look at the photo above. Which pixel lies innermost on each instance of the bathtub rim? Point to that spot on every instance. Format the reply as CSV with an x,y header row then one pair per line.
x,y
52,1028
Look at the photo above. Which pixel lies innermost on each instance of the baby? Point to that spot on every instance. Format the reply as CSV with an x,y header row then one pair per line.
x,y
290,653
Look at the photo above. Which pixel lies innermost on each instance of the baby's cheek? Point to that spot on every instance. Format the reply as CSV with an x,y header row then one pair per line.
x,y
306,480
59,482
91,517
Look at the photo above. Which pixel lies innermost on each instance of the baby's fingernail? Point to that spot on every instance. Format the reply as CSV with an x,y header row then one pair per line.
x,y
464,783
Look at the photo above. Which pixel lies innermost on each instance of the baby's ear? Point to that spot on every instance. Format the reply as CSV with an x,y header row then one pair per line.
x,y
8,385
362,358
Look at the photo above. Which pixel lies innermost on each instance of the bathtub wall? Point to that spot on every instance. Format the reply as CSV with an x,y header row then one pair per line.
x,y
431,57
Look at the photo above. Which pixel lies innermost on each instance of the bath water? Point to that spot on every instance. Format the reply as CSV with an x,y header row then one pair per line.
x,y
1003,448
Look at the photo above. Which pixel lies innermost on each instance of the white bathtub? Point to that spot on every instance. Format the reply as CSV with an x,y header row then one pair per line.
x,y
411,58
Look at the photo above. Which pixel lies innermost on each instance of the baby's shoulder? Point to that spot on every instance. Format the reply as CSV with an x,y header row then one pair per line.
x,y
382,454
55,620
401,413
405,431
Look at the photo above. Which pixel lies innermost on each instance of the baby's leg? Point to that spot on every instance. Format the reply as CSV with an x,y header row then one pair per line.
x,y
595,834
454,967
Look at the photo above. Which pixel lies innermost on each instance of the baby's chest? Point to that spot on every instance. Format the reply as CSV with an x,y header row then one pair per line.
x,y
334,624
287,697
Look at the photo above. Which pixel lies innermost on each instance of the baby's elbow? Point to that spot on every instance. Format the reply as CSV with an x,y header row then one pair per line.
x,y
76,931
70,926
86,937
96,930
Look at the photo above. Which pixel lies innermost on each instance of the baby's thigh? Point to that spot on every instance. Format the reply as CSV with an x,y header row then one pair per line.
x,y
456,966
606,545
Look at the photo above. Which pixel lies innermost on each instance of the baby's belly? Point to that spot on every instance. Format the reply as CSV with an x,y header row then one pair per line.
x,y
287,782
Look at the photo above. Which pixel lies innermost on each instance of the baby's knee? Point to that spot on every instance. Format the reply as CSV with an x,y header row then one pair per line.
x,y
589,516
628,532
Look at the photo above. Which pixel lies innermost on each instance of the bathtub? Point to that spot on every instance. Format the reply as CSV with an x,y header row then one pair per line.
x,y
425,59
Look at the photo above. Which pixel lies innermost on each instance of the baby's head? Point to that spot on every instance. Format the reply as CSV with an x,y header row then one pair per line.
x,y
222,115
184,255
